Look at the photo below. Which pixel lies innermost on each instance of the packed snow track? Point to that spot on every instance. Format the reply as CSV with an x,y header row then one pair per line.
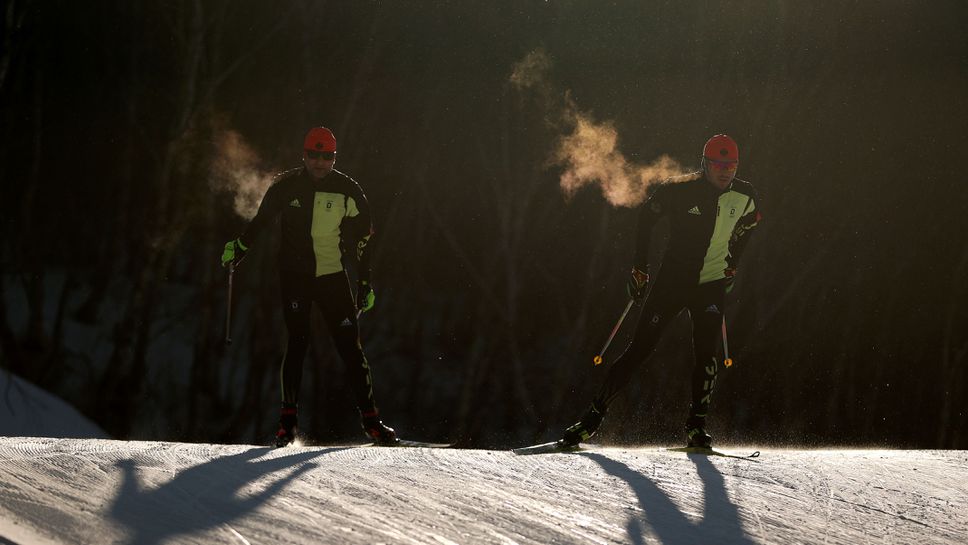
x,y
102,491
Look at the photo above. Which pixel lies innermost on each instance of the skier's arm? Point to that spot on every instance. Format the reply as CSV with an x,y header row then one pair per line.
x,y
357,229
741,233
271,205
235,250
650,213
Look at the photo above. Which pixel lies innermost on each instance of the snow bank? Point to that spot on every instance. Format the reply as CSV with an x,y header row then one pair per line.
x,y
26,410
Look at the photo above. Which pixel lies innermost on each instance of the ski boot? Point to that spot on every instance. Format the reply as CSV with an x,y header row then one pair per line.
x,y
586,427
381,434
287,425
696,435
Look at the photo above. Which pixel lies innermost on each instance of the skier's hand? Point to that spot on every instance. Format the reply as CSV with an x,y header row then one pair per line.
x,y
365,298
234,252
637,282
730,273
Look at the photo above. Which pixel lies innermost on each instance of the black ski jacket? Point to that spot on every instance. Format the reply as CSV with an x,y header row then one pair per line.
x,y
319,219
709,228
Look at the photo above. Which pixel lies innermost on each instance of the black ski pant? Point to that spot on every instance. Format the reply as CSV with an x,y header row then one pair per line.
x,y
704,302
331,293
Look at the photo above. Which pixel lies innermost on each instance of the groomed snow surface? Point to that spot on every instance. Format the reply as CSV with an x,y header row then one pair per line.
x,y
103,491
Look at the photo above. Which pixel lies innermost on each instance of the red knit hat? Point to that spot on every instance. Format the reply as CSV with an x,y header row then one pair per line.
x,y
320,139
721,148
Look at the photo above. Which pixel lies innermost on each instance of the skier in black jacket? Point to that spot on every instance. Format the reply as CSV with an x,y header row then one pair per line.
x,y
711,215
322,212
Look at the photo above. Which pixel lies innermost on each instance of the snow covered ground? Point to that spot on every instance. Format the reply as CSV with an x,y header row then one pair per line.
x,y
103,491
74,487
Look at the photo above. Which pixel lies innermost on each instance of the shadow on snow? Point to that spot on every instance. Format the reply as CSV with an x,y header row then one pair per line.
x,y
205,496
720,520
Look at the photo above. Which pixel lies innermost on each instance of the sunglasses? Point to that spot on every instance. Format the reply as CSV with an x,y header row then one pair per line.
x,y
325,155
722,165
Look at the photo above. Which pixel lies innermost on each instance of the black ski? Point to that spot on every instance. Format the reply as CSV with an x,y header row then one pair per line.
x,y
712,452
413,444
547,448
302,442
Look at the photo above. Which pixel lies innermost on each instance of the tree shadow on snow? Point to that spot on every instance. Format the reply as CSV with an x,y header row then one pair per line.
x,y
205,496
720,519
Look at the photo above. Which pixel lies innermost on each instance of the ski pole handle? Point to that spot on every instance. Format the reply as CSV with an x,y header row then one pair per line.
x,y
727,361
628,307
228,311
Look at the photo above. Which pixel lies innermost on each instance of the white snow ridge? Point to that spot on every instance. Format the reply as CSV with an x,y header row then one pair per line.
x,y
102,491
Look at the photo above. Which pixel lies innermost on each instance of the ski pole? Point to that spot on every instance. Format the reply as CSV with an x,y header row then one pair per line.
x,y
598,358
228,312
727,361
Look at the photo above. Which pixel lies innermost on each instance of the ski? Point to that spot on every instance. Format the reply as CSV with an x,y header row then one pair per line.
x,y
546,448
414,444
301,442
712,452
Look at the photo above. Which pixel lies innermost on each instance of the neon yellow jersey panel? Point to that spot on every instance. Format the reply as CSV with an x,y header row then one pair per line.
x,y
731,206
329,209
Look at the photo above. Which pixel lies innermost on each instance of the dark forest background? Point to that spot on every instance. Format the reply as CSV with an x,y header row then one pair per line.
x,y
849,324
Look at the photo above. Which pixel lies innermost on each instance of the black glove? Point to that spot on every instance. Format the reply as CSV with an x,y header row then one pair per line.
x,y
637,282
730,273
365,298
